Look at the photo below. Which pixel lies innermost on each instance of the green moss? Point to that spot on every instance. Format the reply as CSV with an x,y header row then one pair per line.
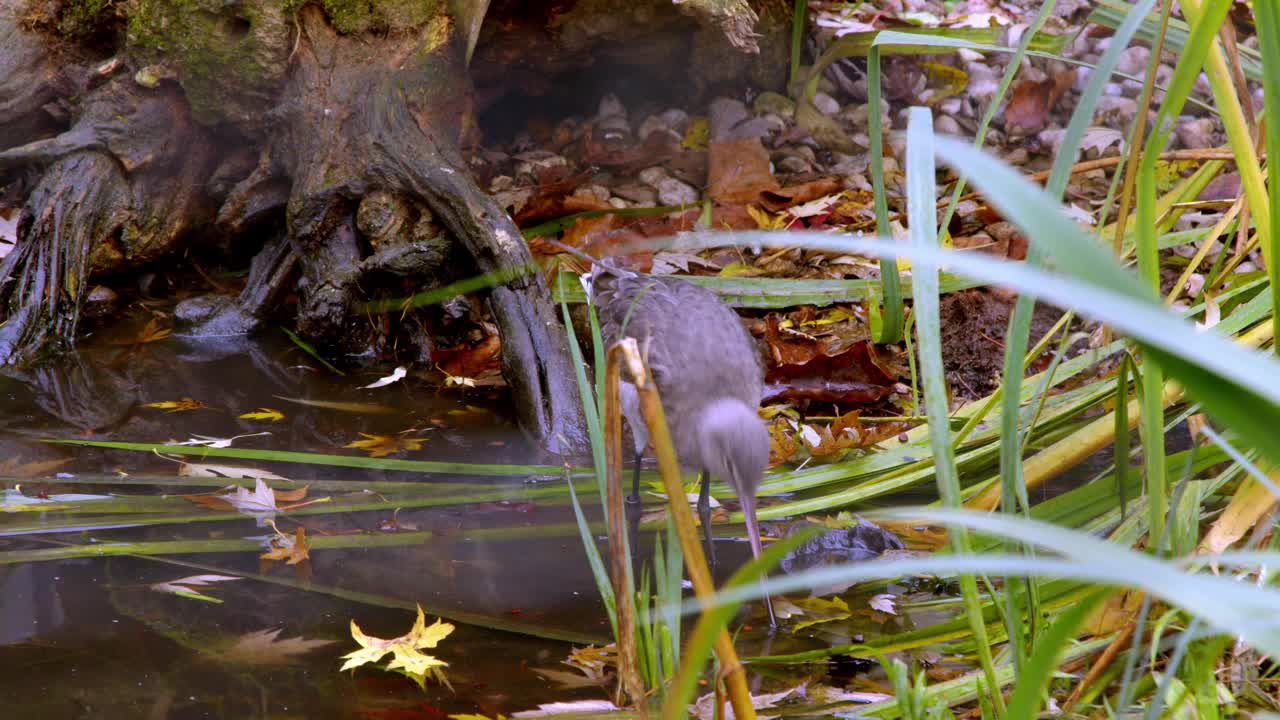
x,y
81,19
357,16
229,59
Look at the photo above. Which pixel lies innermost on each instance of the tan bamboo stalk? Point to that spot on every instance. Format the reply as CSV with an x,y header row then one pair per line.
x,y
623,594
735,677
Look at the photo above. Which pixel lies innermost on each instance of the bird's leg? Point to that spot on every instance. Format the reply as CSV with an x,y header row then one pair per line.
x,y
632,506
704,515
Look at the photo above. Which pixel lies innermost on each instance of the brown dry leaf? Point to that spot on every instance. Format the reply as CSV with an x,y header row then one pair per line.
x,y
593,662
1252,502
383,445
263,648
482,362
739,171
822,444
802,369
292,550
173,406
149,333
1031,101
653,150
801,193
262,499
599,236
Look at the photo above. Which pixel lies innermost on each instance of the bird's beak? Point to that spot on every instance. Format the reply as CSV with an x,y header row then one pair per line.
x,y
753,534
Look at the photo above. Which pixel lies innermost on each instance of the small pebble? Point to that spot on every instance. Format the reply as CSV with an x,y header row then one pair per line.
x,y
826,104
653,175
675,192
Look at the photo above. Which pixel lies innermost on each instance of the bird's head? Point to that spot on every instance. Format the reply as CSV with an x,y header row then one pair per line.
x,y
735,445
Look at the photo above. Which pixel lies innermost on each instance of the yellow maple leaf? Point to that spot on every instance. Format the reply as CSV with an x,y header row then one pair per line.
x,y
263,413
292,550
383,445
173,406
406,649
698,134
766,221
821,610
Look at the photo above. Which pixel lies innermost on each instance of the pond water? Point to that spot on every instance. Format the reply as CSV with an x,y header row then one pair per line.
x,y
90,637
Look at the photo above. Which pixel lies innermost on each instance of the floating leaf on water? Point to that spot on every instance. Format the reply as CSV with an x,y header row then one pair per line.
x,y
351,407
459,381
185,587
705,707
261,500
396,376
227,471
292,550
383,445
12,500
406,650
568,708
173,406
263,413
216,442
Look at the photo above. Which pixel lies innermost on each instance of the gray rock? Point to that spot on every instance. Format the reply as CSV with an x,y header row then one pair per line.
x,y
676,192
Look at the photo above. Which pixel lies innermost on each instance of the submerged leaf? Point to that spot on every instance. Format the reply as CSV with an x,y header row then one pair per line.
x,y
173,406
262,647
396,376
383,445
821,611
292,550
263,413
185,587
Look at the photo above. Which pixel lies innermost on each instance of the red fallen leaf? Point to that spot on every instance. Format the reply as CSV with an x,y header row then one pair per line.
x,y
781,199
1031,102
655,148
802,369
819,390
602,236
422,711
553,196
481,361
